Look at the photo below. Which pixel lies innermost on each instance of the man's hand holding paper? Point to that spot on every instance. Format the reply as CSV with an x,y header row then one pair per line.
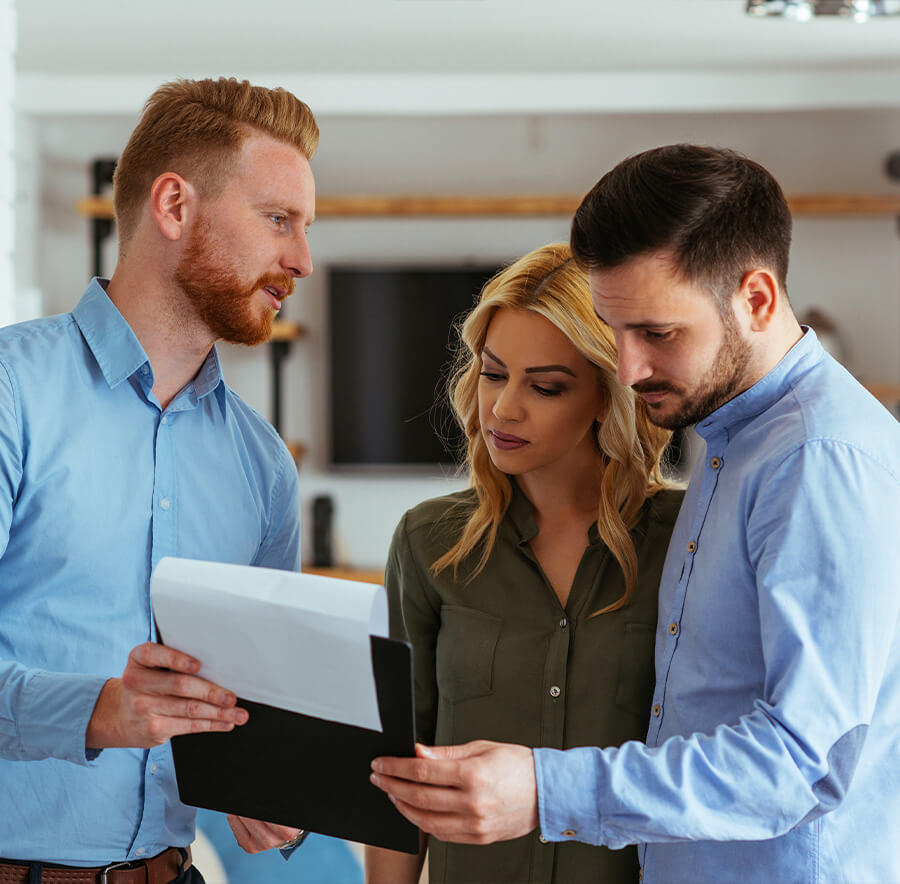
x,y
158,697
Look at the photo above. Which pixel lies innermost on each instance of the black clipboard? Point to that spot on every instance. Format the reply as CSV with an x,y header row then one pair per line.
x,y
305,772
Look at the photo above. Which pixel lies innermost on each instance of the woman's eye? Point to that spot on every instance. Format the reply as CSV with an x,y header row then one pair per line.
x,y
491,375
546,391
659,336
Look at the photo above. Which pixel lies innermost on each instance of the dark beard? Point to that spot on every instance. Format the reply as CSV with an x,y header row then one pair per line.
x,y
217,294
726,379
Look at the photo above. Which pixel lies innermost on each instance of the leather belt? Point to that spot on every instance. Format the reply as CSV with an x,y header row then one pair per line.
x,y
160,869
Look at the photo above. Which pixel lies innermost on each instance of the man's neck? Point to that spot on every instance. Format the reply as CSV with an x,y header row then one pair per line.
x,y
175,341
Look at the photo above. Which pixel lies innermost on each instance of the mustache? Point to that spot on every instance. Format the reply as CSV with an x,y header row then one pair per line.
x,y
282,281
654,388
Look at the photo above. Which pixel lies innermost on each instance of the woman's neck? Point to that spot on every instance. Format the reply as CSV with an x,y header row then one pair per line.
x,y
566,491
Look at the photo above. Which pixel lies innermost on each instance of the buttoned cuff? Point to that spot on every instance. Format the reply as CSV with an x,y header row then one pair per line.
x,y
568,792
54,713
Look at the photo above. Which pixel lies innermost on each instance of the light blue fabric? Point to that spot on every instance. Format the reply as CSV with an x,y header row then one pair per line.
x,y
96,485
322,860
774,745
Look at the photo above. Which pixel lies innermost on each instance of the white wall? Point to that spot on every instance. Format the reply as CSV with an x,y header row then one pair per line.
x,y
851,267
7,170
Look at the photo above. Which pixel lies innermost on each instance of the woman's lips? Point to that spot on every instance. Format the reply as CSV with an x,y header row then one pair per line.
x,y
506,442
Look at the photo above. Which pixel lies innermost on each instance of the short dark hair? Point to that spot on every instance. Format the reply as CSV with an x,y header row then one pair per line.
x,y
719,213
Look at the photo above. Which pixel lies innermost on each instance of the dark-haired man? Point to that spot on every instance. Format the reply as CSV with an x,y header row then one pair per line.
x,y
773,752
120,444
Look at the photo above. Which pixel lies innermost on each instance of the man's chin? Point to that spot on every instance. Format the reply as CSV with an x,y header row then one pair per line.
x,y
249,334
663,415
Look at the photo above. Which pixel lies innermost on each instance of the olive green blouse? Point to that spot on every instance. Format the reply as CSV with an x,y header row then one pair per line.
x,y
500,659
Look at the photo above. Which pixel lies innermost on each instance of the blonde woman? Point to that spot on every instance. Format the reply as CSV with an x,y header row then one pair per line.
x,y
530,598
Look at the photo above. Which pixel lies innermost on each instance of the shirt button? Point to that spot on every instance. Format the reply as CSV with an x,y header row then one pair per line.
x,y
542,839
692,545
715,462
657,710
140,851
563,623
154,767
673,629
165,419
555,691
165,503
569,833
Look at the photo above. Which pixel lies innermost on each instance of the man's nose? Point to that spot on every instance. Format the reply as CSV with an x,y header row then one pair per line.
x,y
632,366
297,260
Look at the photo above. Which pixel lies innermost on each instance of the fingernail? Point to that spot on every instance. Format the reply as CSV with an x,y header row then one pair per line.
x,y
376,765
375,779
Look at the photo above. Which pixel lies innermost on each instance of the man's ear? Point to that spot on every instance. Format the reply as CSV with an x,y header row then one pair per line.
x,y
171,200
759,299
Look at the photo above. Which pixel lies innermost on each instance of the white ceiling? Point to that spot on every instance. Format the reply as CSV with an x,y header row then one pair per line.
x,y
455,56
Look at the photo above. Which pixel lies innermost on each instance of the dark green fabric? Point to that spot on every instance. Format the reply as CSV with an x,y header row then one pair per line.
x,y
489,653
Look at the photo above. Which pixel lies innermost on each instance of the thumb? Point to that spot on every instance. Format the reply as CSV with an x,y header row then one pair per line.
x,y
452,753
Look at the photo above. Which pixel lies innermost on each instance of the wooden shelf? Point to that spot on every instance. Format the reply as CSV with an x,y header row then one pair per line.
x,y
285,330
362,575
297,450
549,205
889,394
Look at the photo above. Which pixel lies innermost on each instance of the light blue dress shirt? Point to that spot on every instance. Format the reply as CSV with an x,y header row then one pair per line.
x,y
96,485
773,753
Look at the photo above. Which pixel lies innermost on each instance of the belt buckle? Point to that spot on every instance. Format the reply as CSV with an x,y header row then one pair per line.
x,y
104,872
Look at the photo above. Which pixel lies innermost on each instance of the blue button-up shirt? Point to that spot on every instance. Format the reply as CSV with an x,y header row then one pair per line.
x,y
774,746
97,483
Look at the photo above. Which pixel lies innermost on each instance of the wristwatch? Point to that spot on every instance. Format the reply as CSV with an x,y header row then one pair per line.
x,y
294,842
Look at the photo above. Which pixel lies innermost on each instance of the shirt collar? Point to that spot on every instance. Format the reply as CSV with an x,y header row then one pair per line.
x,y
520,514
806,353
119,353
115,347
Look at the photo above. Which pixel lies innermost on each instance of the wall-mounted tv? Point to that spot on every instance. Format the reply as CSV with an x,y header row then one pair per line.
x,y
391,338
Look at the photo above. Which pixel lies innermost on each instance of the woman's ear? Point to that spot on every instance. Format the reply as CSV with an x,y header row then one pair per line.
x,y
171,199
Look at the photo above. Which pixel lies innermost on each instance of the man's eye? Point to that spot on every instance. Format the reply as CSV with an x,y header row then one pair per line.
x,y
277,220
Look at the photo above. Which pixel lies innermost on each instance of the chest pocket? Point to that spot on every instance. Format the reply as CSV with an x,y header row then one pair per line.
x,y
464,656
636,676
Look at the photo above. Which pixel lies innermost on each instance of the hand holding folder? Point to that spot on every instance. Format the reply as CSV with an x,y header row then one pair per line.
x,y
325,688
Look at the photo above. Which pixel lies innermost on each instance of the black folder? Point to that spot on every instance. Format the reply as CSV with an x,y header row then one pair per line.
x,y
296,770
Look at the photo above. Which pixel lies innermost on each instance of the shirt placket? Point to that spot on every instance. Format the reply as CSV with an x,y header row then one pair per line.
x,y
158,760
554,706
673,624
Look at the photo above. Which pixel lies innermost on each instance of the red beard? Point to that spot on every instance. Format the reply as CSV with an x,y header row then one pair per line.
x,y
218,294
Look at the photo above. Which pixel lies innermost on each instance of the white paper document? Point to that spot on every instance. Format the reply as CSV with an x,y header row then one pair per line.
x,y
295,641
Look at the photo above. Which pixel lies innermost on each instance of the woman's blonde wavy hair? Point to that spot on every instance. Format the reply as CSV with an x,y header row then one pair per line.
x,y
547,281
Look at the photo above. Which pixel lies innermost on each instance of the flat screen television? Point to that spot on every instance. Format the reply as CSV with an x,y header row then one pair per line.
x,y
391,339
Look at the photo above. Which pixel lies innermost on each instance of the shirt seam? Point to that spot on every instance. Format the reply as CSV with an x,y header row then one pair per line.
x,y
276,489
836,441
419,576
17,403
